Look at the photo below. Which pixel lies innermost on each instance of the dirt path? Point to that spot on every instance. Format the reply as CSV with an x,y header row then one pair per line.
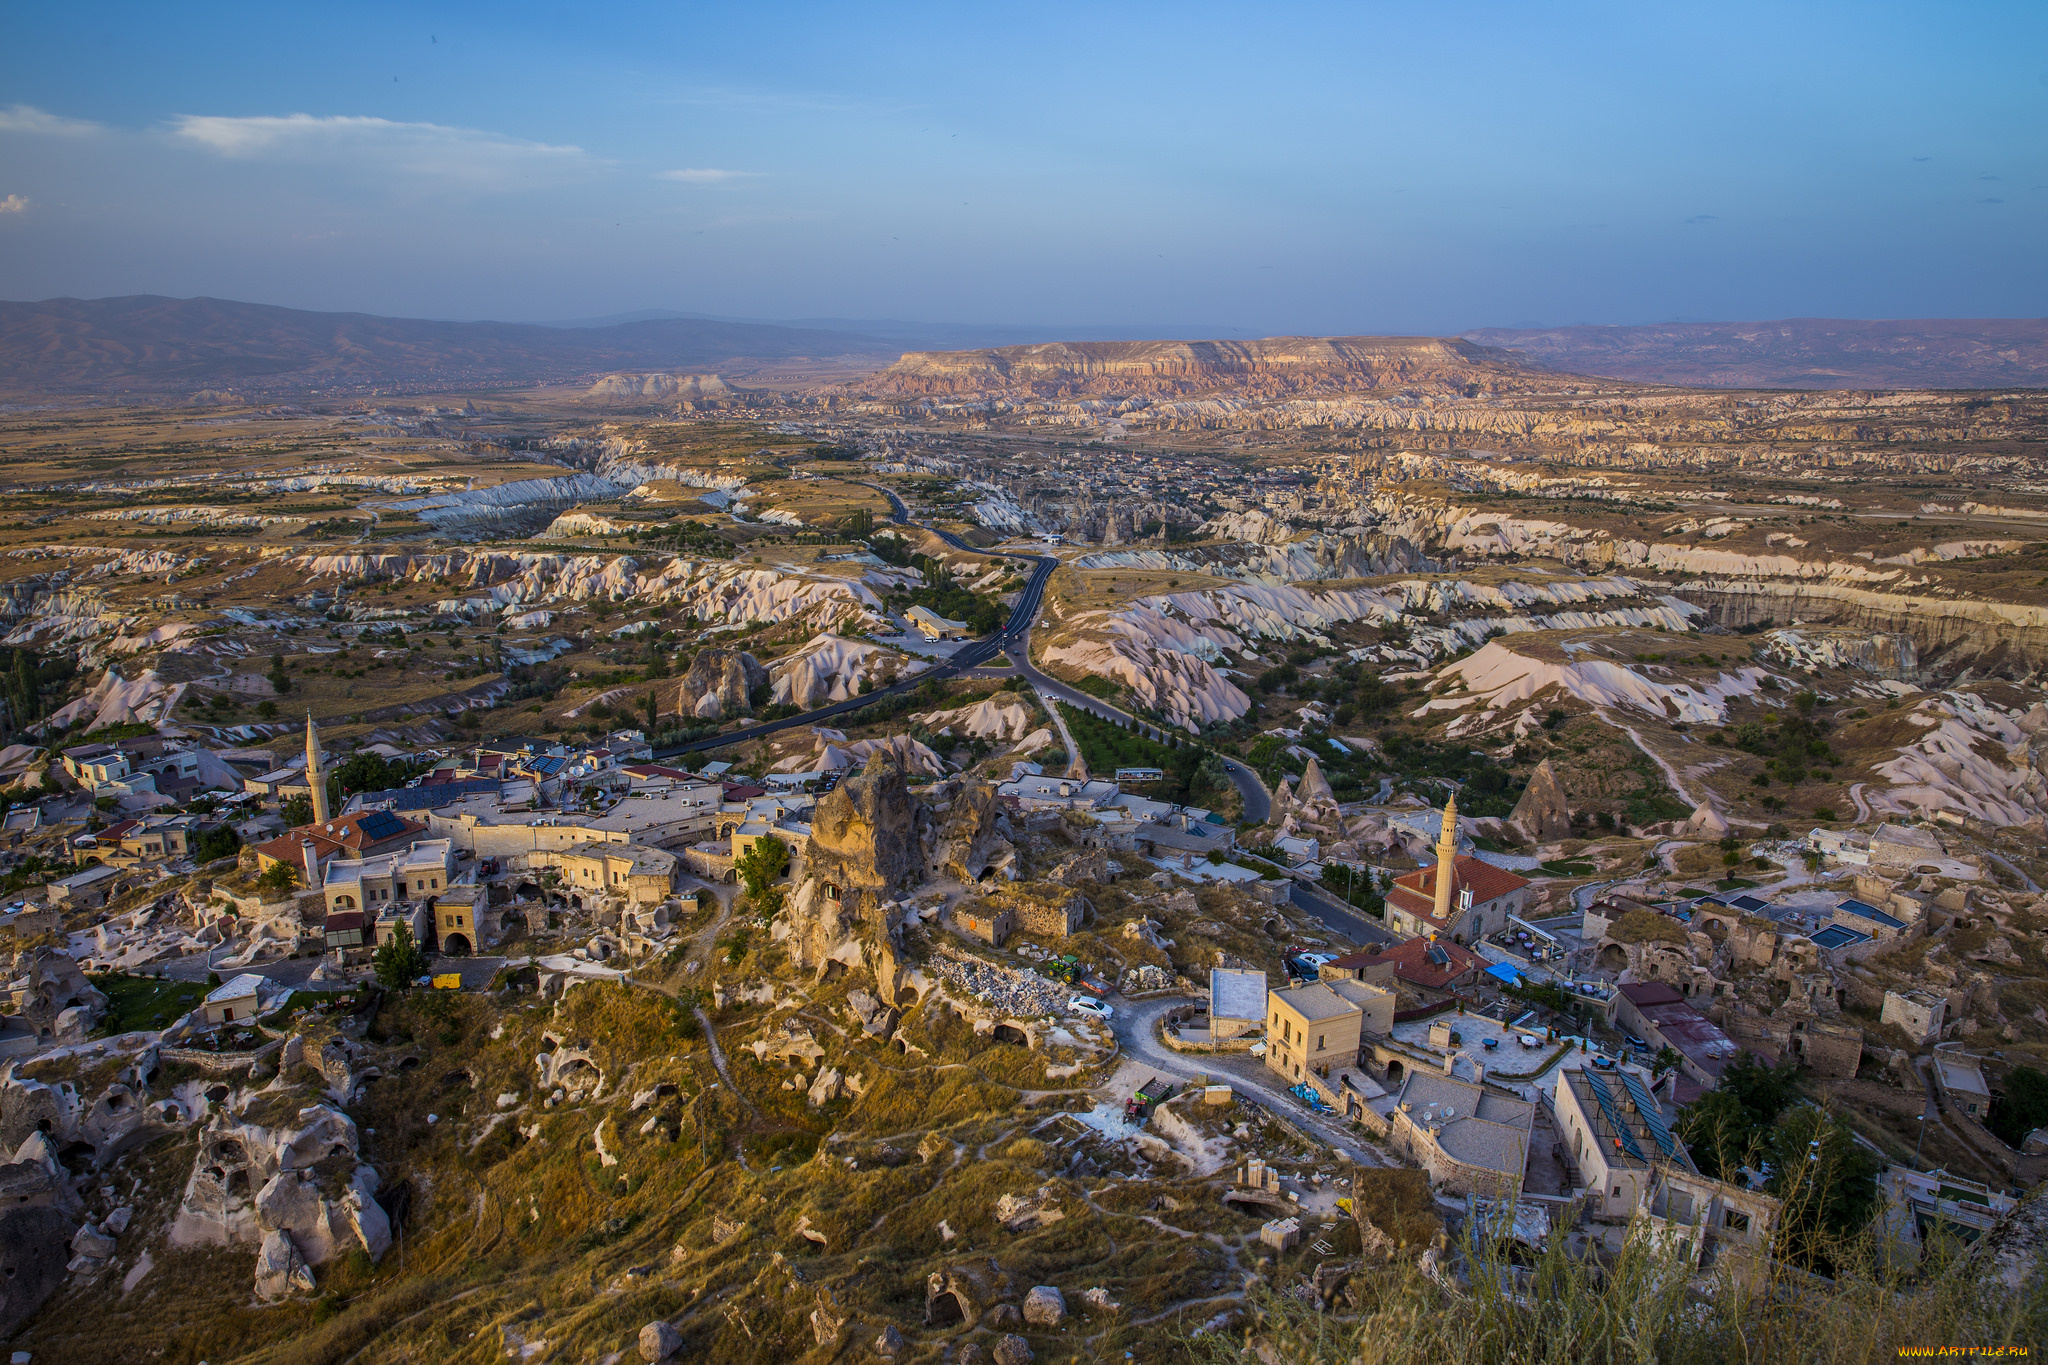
x,y
1670,773
1862,806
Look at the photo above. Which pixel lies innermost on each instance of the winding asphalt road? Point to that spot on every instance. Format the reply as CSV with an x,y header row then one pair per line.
x,y
966,660
1015,640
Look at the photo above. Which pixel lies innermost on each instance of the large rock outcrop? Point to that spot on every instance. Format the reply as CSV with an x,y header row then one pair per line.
x,y
60,1004
32,1258
1543,815
298,1191
868,834
868,842
720,683
973,842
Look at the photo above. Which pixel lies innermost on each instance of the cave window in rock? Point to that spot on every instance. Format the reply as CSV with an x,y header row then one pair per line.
x,y
1613,957
947,1310
526,891
1010,1033
834,969
831,892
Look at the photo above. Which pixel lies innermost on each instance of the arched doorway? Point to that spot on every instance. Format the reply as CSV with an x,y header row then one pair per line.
x,y
1613,957
456,945
1395,1071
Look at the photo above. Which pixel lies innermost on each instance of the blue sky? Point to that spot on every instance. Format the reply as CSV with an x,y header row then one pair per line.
x,y
1259,169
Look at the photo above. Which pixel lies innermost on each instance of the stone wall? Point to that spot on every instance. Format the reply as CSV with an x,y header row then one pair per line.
x,y
1050,919
219,1063
991,924
1413,1141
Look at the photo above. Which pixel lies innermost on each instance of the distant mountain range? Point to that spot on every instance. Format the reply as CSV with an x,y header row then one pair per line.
x,y
145,343
1797,353
1271,367
149,344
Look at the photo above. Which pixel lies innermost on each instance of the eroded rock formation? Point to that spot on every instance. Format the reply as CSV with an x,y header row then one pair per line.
x,y
720,683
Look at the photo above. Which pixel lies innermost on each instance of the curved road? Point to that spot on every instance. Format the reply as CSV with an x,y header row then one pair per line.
x,y
965,660
1015,640
1136,1027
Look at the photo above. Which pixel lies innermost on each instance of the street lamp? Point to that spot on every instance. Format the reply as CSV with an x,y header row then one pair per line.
x,y
1922,1138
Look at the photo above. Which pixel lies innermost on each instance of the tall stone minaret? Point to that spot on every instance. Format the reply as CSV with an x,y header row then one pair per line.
x,y
1447,860
316,773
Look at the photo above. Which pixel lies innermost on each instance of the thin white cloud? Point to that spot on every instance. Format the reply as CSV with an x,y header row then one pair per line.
x,y
26,118
14,203
704,175
464,156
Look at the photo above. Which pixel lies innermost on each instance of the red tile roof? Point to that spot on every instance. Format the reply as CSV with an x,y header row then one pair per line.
x,y
342,838
1414,962
1485,881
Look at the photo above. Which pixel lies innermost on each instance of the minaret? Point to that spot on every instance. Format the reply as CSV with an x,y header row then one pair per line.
x,y
316,774
1447,860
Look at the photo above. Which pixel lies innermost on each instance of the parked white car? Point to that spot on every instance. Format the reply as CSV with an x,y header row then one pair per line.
x,y
1081,1004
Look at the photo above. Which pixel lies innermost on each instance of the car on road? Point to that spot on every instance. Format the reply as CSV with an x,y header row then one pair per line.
x,y
1081,1004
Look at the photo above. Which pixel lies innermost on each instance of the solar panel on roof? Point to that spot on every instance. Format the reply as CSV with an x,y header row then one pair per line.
x,y
1613,1113
1750,903
380,824
1653,1117
1438,956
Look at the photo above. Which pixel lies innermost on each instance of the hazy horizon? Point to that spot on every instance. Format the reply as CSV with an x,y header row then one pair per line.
x,y
1322,170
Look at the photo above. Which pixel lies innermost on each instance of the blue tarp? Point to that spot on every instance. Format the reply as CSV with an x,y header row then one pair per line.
x,y
1505,973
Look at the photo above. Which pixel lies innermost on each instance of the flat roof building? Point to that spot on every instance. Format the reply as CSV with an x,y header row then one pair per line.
x,y
1617,1136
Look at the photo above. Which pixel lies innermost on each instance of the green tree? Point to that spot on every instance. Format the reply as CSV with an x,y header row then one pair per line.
x,y
398,960
218,842
2019,1106
298,810
277,880
1827,1180
1729,1127
762,864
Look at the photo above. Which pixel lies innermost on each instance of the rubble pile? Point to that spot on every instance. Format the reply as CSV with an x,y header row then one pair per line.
x,y
1000,988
